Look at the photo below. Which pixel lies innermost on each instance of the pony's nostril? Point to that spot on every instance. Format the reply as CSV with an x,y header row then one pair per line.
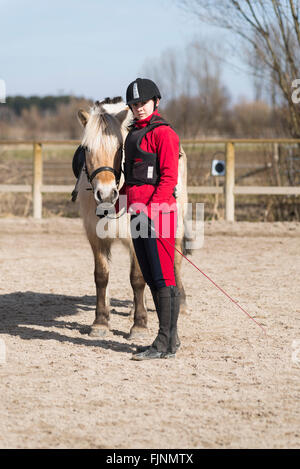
x,y
115,194
98,194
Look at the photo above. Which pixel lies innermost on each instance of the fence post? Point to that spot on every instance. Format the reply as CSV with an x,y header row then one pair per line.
x,y
276,163
37,180
229,182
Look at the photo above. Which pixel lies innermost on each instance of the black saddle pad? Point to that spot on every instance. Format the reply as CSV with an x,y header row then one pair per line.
x,y
78,161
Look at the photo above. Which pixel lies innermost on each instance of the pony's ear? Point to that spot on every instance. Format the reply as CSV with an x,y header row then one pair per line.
x,y
122,115
83,117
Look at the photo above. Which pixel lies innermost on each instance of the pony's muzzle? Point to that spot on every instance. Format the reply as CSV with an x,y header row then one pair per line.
x,y
107,196
104,209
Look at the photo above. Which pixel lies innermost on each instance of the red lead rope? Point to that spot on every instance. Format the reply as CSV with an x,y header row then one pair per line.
x,y
223,291
217,286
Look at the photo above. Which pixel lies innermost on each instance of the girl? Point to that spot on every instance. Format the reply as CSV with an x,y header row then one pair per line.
x,y
151,170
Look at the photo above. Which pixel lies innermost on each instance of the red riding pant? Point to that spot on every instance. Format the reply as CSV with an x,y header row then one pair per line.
x,y
154,244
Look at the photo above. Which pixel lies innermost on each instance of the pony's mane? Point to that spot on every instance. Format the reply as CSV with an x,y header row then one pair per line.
x,y
103,129
113,105
116,99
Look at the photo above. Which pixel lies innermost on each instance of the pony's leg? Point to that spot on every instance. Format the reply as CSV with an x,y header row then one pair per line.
x,y
101,324
177,270
139,328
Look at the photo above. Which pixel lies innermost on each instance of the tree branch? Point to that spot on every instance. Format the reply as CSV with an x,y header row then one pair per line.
x,y
295,19
284,37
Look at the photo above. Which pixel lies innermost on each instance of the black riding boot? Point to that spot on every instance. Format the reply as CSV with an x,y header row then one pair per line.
x,y
154,292
160,346
174,342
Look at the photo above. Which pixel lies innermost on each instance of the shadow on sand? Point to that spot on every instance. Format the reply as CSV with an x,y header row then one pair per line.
x,y
20,312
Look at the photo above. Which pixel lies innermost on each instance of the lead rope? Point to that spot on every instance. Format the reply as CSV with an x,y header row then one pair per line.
x,y
214,283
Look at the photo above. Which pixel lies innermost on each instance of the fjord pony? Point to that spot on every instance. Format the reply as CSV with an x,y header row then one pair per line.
x,y
105,129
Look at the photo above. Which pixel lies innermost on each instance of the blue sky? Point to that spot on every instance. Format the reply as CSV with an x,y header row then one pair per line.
x,y
94,48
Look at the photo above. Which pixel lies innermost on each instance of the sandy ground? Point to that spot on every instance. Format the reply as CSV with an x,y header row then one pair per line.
x,y
230,386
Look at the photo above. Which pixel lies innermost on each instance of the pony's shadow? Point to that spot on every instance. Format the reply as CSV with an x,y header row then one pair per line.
x,y
22,312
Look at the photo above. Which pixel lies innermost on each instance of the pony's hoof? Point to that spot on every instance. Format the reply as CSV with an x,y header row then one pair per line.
x,y
138,333
98,331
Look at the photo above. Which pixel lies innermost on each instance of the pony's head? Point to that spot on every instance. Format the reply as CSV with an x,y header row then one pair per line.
x,y
104,129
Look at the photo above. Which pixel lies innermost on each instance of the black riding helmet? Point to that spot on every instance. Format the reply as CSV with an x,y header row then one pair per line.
x,y
142,89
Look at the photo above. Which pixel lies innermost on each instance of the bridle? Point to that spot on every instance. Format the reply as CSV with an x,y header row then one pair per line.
x,y
103,168
83,169
116,173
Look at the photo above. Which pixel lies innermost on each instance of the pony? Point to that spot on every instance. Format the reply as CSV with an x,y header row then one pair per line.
x,y
105,129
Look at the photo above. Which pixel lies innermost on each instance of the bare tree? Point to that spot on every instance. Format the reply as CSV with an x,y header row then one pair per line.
x,y
269,31
190,80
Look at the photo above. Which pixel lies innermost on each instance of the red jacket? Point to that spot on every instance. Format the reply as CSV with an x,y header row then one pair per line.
x,y
164,142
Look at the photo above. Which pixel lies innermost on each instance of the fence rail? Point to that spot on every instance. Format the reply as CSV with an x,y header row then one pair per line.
x,y
229,190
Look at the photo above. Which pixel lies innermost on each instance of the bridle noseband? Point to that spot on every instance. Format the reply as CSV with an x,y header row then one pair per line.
x,y
116,173
103,168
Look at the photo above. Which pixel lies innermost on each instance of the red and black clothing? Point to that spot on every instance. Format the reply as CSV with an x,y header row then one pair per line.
x,y
156,201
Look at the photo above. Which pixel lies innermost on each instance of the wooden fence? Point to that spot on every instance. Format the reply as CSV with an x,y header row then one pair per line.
x,y
229,189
